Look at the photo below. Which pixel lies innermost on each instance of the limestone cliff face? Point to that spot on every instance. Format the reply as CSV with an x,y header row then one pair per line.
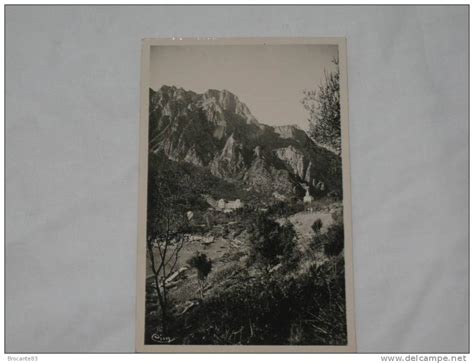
x,y
294,159
291,132
230,162
228,102
216,131
264,177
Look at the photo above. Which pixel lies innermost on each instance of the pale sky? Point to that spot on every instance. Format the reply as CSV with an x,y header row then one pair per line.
x,y
269,79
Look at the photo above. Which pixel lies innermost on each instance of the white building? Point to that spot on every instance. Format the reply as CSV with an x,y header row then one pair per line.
x,y
229,206
234,204
308,198
221,204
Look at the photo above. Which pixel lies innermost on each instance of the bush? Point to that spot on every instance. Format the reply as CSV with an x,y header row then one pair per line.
x,y
320,298
271,243
248,312
279,209
274,309
202,264
334,243
317,225
285,209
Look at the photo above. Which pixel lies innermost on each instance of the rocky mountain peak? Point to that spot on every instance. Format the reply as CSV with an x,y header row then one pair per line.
x,y
216,131
291,132
228,101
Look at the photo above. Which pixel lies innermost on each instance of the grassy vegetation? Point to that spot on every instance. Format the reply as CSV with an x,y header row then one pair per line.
x,y
261,293
306,309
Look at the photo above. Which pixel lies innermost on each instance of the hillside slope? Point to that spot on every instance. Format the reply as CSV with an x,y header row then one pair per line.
x,y
215,131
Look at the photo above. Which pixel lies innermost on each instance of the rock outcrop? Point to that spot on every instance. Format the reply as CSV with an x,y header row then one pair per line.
x,y
216,131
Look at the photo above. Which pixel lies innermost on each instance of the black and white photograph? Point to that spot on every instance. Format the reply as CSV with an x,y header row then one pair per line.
x,y
245,229
272,182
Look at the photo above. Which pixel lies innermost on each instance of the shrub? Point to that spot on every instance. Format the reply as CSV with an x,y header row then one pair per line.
x,y
317,225
279,209
202,264
307,309
320,300
272,243
334,243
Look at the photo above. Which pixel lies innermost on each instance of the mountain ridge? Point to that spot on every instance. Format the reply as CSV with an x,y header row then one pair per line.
x,y
216,131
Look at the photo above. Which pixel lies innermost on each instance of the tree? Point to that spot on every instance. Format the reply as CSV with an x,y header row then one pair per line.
x,y
203,266
166,226
323,105
272,243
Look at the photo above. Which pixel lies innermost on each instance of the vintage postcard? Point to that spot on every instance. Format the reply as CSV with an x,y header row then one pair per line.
x,y
244,241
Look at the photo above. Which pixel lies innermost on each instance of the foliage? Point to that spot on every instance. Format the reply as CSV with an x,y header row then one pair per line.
x,y
285,209
317,225
321,295
332,241
201,263
272,243
323,105
166,226
203,266
271,309
184,185
249,312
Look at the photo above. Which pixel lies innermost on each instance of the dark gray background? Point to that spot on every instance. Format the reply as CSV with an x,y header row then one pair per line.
x,y
72,108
